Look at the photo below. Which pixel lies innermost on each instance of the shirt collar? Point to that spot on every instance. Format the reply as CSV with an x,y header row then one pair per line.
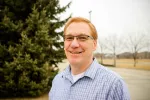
x,y
67,73
90,72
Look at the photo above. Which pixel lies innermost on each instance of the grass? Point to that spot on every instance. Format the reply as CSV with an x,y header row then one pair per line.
x,y
143,64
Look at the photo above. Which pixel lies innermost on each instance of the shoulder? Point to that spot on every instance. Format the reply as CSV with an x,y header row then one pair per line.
x,y
58,77
113,83
104,74
104,71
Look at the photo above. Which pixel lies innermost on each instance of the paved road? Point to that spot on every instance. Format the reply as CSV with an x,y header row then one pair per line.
x,y
138,81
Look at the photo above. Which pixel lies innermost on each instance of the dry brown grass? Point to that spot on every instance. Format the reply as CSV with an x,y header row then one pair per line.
x,y
143,64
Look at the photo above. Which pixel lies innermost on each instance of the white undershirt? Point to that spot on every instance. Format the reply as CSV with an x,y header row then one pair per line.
x,y
78,76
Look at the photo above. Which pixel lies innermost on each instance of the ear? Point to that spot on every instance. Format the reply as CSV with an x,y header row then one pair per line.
x,y
94,45
64,48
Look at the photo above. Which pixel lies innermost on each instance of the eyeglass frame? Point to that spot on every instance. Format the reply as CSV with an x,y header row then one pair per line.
x,y
78,37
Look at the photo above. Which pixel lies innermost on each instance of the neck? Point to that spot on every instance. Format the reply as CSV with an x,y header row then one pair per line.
x,y
79,68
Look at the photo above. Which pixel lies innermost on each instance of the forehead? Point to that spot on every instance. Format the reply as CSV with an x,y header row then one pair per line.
x,y
77,28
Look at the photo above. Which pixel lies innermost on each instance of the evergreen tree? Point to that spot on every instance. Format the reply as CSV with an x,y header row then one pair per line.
x,y
29,71
11,13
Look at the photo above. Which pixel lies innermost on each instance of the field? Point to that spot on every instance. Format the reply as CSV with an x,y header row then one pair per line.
x,y
143,64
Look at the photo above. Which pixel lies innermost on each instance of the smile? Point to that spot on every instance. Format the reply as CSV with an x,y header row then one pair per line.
x,y
76,52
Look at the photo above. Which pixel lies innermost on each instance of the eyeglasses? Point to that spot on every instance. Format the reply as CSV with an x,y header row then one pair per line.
x,y
81,38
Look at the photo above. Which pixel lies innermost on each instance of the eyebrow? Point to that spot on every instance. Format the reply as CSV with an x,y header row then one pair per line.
x,y
81,33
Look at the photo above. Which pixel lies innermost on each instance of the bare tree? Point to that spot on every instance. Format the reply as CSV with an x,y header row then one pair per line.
x,y
148,47
114,44
135,43
102,47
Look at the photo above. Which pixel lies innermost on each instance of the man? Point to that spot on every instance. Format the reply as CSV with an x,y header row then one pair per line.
x,y
85,78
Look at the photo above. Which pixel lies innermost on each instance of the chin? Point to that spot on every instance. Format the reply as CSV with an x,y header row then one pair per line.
x,y
74,61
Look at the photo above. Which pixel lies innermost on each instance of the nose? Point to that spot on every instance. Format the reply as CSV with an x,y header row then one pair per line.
x,y
74,43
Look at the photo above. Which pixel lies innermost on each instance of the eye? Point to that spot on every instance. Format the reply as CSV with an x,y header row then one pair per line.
x,y
83,38
69,38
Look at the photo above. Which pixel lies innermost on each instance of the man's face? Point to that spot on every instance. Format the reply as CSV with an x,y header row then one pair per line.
x,y
78,44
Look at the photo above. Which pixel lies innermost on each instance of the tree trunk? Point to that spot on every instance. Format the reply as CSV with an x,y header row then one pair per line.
x,y
114,60
101,58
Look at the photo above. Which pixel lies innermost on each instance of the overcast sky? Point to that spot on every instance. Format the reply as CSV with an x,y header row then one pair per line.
x,y
113,16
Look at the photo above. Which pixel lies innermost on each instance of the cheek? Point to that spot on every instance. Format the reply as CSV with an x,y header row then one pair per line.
x,y
90,47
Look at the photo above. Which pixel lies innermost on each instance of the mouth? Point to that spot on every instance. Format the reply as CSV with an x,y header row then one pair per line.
x,y
76,52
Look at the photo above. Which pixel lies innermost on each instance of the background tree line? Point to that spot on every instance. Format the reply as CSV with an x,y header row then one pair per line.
x,y
30,46
131,45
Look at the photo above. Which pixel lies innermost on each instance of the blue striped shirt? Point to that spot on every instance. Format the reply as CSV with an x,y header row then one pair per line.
x,y
98,83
